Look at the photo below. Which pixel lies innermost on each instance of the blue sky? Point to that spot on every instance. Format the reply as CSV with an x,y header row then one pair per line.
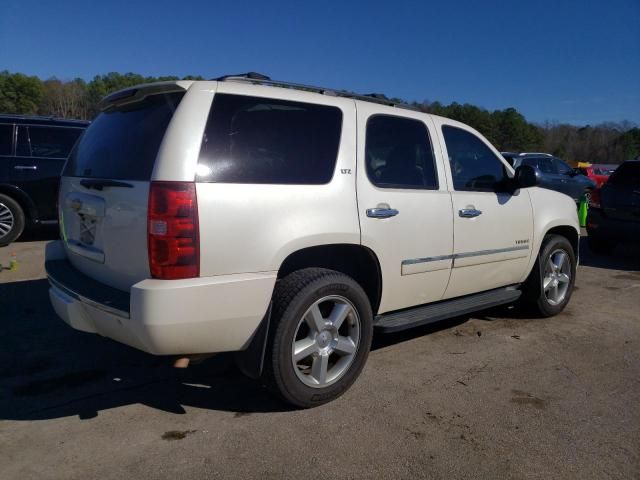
x,y
563,60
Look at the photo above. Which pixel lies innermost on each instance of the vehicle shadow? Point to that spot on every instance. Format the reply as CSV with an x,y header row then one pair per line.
x,y
48,370
39,233
623,257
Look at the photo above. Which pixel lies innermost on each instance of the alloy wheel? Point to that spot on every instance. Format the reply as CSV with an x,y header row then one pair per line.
x,y
326,341
6,220
557,276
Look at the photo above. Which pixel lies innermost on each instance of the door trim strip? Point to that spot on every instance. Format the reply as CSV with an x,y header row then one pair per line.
x,y
477,253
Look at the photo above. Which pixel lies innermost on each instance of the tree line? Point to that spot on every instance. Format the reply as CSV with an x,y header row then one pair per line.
x,y
507,129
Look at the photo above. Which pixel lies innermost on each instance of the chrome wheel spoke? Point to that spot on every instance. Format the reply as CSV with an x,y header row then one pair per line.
x,y
546,284
303,348
563,278
6,220
560,258
338,314
345,346
324,346
319,368
315,320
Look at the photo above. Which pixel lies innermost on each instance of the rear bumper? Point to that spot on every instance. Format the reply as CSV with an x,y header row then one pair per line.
x,y
162,317
612,229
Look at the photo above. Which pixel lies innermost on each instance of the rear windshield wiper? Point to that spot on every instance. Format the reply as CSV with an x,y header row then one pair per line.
x,y
100,184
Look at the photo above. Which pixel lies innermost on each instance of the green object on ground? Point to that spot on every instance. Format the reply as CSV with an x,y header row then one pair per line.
x,y
582,212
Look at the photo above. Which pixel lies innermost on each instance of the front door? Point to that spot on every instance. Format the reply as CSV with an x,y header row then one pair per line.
x,y
493,230
404,206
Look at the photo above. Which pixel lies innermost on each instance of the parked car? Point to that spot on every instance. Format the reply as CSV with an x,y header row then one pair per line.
x,y
285,222
32,153
597,172
614,213
557,175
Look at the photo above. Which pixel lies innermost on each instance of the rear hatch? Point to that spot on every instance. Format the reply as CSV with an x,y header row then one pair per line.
x,y
620,196
104,189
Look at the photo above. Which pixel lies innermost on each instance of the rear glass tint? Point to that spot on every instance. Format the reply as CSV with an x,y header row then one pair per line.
x,y
627,174
6,139
263,140
47,142
122,144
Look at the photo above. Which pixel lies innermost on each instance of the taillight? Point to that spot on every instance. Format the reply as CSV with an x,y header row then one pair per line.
x,y
594,199
174,246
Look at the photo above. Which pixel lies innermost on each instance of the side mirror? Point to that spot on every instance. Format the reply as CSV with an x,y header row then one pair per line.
x,y
526,176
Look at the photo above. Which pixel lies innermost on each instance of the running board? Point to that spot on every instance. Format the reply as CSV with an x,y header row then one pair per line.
x,y
434,312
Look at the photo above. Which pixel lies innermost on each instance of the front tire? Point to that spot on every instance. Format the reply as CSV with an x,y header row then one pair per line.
x,y
320,337
549,287
12,220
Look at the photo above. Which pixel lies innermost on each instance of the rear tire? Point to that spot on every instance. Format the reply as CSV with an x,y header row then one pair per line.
x,y
322,326
12,220
550,284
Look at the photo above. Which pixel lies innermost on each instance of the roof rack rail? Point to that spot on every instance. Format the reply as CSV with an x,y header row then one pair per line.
x,y
260,79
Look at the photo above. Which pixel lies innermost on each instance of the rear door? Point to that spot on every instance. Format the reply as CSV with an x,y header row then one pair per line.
x,y
404,205
105,187
40,155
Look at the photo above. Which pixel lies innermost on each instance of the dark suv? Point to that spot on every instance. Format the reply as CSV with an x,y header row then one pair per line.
x,y
614,213
32,153
555,174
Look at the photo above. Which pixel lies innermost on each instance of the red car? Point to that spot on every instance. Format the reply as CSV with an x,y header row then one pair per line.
x,y
598,173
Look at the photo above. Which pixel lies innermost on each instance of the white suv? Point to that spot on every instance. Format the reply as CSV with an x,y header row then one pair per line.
x,y
285,222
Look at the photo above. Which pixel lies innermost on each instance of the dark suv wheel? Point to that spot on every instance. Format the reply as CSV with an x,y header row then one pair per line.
x,y
11,220
320,337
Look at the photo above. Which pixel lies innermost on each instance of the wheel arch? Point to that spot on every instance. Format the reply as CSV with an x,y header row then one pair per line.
x,y
22,199
355,260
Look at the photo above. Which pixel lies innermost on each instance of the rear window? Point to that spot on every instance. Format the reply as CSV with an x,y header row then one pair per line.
x,y
122,144
627,174
263,140
46,142
6,139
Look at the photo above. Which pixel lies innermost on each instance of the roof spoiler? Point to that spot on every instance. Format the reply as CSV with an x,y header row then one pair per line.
x,y
140,92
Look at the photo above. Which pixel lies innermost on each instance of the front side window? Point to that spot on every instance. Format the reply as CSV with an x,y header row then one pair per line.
x,y
398,153
474,167
6,139
268,141
546,165
561,167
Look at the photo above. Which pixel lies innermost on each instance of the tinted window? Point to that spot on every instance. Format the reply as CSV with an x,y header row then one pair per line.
x,y
532,162
6,139
399,154
545,165
561,167
49,142
23,149
263,140
627,174
473,165
123,143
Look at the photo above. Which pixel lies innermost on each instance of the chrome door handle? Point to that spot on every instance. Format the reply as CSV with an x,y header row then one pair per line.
x,y
469,212
381,212
25,167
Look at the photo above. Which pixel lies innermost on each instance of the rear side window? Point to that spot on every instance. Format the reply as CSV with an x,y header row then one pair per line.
x,y
46,142
263,140
474,167
6,139
122,143
398,153
626,175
